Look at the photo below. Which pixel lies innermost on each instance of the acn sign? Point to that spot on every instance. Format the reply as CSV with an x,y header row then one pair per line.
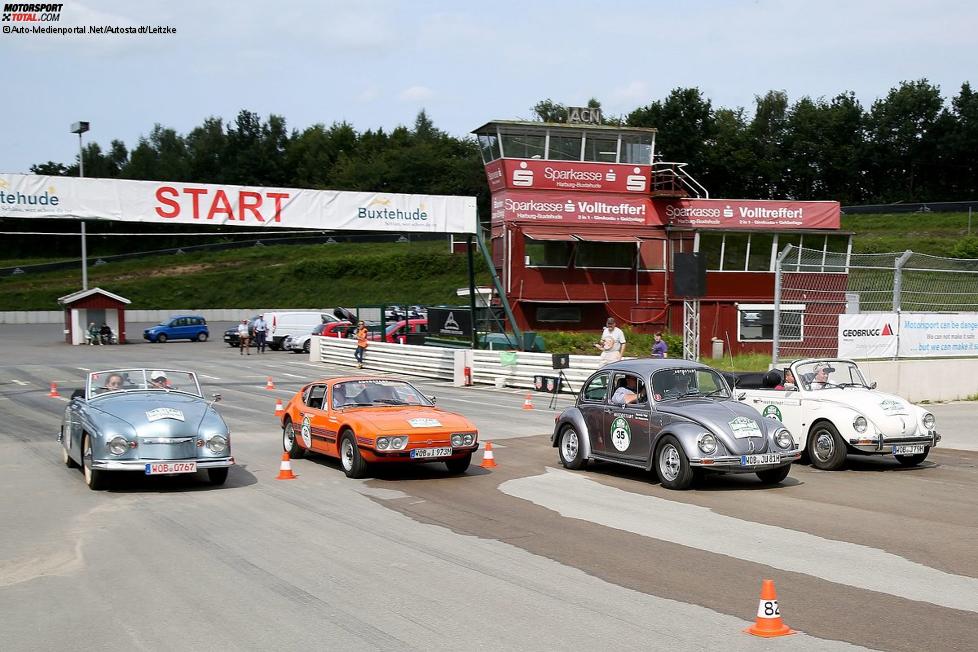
x,y
583,115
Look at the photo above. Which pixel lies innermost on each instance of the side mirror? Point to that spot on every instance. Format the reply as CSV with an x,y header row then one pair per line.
x,y
433,399
217,398
872,385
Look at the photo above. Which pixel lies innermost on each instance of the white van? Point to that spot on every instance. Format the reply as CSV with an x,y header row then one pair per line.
x,y
282,324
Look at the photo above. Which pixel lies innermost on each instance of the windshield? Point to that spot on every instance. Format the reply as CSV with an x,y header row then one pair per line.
x,y
394,327
673,384
376,392
101,383
829,374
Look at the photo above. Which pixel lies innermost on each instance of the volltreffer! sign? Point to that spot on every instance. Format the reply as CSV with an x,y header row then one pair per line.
x,y
749,214
549,207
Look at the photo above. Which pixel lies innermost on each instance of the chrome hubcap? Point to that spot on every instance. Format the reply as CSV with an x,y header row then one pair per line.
x,y
288,437
824,446
347,454
669,462
569,445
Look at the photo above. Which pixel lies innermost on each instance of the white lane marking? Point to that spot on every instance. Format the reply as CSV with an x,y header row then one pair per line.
x,y
283,373
850,564
22,383
83,368
206,376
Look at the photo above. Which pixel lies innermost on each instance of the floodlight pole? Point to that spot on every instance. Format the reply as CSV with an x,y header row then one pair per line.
x,y
80,128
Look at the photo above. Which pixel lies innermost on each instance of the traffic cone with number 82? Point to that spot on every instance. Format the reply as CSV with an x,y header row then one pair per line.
x,y
768,622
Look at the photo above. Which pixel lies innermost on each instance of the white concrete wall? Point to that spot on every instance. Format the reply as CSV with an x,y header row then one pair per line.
x,y
925,380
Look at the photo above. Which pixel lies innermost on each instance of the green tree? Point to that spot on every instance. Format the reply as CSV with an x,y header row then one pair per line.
x,y
685,123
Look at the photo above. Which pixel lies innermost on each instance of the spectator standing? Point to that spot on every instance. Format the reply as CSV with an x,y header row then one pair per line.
x,y
660,349
244,337
612,345
361,335
93,337
260,328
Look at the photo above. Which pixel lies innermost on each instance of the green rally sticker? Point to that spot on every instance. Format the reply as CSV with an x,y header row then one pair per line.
x,y
621,434
772,411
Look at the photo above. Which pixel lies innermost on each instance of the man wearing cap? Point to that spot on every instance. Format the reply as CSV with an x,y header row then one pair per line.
x,y
244,337
821,378
612,344
260,328
158,380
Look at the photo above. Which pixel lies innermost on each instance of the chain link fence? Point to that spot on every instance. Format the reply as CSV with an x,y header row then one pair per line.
x,y
813,287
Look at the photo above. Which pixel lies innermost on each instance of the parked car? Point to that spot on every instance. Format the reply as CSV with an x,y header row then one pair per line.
x,y
155,422
178,327
835,412
366,420
301,343
282,324
688,424
402,328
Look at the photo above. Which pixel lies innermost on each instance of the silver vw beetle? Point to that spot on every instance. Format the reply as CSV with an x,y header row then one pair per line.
x,y
675,416
152,421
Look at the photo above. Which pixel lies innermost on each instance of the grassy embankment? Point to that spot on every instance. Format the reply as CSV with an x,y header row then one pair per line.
x,y
374,273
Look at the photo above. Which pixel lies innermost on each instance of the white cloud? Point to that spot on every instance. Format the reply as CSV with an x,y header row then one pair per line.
x,y
415,94
368,94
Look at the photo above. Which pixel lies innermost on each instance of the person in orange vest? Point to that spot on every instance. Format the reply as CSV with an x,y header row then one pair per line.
x,y
361,344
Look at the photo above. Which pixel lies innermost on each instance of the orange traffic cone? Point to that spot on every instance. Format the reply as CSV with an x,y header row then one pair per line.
x,y
285,470
279,408
269,384
768,622
488,461
528,402
54,391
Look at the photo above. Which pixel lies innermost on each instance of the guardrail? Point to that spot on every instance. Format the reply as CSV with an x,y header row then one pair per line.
x,y
487,368
426,361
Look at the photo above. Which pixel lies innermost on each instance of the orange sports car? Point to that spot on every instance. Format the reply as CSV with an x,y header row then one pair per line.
x,y
366,420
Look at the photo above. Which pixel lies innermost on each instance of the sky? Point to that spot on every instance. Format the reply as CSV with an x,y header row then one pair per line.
x,y
376,63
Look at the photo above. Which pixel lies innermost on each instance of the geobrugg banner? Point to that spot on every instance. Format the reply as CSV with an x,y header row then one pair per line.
x,y
873,335
938,335
161,202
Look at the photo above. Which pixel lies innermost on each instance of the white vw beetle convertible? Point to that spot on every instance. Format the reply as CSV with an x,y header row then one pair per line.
x,y
833,411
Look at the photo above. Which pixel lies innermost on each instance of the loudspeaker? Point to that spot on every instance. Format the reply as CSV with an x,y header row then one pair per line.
x,y
688,275
561,361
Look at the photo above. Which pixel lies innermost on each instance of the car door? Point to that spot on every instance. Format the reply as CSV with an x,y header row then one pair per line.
x,y
628,426
593,404
785,405
314,419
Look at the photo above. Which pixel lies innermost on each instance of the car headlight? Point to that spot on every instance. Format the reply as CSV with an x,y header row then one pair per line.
x,y
859,424
457,441
929,421
707,443
383,443
783,439
217,444
118,445
468,439
398,443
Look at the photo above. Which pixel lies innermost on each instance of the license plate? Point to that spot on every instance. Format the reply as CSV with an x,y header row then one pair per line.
x,y
160,468
908,449
758,460
419,453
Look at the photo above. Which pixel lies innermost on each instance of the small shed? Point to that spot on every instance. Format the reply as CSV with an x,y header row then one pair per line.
x,y
94,305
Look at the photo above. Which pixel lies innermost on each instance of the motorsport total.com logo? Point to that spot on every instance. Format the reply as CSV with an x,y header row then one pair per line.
x,y
19,12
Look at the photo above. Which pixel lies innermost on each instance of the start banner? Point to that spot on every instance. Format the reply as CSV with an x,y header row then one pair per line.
x,y
166,202
873,335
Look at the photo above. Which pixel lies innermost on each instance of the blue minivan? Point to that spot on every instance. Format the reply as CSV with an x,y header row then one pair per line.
x,y
179,327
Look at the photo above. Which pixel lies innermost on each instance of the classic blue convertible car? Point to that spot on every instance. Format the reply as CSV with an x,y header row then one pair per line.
x,y
151,421
675,416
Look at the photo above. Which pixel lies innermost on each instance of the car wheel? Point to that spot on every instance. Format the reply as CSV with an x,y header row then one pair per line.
x,y
774,476
305,347
673,465
913,460
289,443
66,458
233,345
825,447
459,465
350,458
161,338
569,449
217,476
94,478
201,337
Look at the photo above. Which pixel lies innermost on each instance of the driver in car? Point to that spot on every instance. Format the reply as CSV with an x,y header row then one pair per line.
x,y
821,378
158,380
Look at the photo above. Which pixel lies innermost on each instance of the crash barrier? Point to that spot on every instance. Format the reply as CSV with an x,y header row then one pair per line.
x,y
156,316
518,369
426,361
924,380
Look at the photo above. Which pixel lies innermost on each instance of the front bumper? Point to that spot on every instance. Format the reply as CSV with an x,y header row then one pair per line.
x,y
732,463
140,465
375,456
884,446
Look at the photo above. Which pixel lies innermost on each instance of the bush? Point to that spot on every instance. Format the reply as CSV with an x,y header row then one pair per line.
x,y
966,247
582,342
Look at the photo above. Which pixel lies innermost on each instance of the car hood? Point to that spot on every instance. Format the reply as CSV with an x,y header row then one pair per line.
x,y
159,414
410,420
726,420
892,415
